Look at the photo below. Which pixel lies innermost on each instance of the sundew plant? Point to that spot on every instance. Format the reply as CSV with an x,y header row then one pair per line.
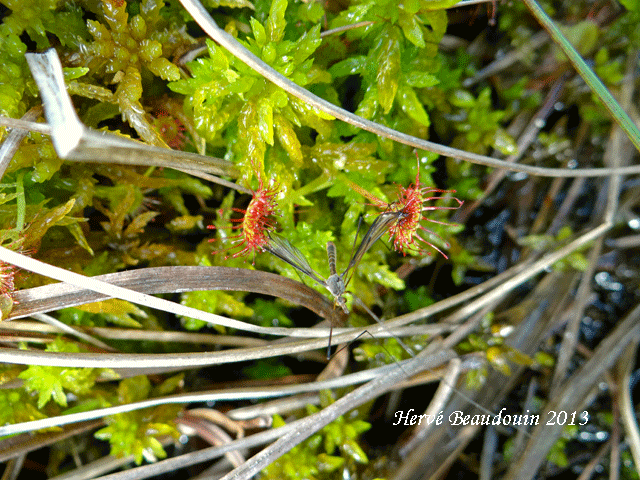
x,y
196,196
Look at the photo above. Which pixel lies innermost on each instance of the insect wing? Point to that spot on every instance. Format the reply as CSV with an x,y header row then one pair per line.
x,y
379,226
285,251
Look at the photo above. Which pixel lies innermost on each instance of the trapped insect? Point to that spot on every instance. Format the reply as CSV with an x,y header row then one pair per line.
x,y
410,204
336,283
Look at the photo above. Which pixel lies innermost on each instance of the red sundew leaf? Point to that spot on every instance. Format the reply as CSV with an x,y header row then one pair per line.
x,y
255,224
402,219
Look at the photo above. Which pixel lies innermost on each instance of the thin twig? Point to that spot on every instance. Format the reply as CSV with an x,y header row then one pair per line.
x,y
73,141
536,41
345,28
311,424
204,20
48,319
573,394
627,408
590,78
213,396
10,146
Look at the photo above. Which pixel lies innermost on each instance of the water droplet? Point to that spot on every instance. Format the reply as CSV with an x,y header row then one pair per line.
x,y
518,176
539,123
634,223
604,280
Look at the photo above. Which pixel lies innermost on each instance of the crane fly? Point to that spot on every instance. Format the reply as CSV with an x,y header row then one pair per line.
x,y
335,283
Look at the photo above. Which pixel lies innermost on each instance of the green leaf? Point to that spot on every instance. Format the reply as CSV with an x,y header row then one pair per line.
x,y
353,450
17,406
388,72
134,433
307,44
118,312
276,22
504,143
421,79
412,28
462,99
268,369
288,139
583,36
51,382
633,5
349,66
412,106
169,386
437,4
417,299
164,69
229,3
437,20
311,11
259,33
73,73
213,302
217,57
265,118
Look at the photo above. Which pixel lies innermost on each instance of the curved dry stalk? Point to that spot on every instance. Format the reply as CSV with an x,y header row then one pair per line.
x,y
163,280
204,20
114,291
17,326
212,434
192,360
203,338
173,280
159,361
104,147
280,406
